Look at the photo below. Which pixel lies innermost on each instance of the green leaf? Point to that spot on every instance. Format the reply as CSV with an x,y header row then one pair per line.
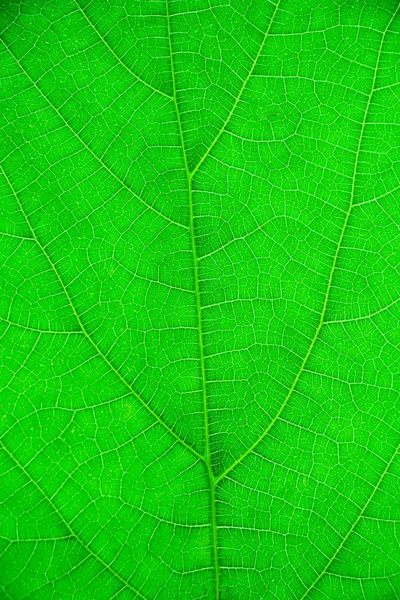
x,y
199,299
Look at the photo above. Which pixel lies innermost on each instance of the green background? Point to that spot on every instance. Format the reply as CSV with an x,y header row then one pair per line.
x,y
199,315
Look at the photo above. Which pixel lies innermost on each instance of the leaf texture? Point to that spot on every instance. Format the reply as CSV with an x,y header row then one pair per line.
x,y
199,315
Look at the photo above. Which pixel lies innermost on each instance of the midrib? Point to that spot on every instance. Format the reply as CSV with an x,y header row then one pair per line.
x,y
207,451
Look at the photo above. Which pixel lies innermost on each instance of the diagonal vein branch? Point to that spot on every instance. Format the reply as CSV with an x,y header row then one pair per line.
x,y
86,146
115,55
89,338
332,271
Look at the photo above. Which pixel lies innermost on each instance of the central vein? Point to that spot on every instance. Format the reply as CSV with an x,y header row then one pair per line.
x,y
211,478
207,452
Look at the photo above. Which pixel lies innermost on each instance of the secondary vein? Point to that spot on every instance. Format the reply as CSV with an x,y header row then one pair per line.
x,y
250,73
66,524
352,528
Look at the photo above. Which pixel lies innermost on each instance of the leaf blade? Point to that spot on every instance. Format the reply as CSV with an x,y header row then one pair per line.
x,y
216,416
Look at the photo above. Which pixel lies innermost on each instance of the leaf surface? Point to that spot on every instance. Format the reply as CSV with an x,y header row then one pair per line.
x,y
199,315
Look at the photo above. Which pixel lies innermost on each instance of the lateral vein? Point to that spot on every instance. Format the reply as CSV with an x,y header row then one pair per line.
x,y
322,318
82,327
